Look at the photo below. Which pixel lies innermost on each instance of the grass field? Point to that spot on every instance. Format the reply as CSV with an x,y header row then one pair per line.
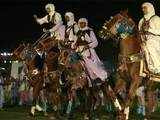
x,y
22,113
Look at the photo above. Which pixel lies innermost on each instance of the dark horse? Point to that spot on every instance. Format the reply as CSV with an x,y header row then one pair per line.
x,y
27,54
76,79
123,30
50,46
37,81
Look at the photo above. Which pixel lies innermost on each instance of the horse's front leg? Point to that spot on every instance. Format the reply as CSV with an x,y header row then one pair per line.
x,y
134,84
132,92
56,102
36,92
109,92
72,98
44,101
89,103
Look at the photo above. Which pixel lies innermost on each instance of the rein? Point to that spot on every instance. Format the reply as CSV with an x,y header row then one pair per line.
x,y
44,35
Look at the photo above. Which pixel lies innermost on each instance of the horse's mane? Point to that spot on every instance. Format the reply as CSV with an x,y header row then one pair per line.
x,y
118,16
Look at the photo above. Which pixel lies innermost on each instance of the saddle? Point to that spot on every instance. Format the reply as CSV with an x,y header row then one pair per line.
x,y
96,82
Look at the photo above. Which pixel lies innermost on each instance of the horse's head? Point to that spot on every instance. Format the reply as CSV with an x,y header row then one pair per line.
x,y
69,58
18,51
70,62
118,25
64,57
47,43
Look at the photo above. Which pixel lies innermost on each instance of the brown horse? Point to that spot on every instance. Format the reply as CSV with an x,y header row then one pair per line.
x,y
50,45
71,63
27,54
122,28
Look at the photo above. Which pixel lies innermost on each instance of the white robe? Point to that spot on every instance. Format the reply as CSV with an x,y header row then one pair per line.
x,y
71,31
92,62
152,46
58,29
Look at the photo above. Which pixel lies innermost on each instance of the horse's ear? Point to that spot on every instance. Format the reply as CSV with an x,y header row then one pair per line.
x,y
121,12
126,11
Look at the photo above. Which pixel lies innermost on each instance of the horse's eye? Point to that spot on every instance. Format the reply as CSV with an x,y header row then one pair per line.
x,y
66,54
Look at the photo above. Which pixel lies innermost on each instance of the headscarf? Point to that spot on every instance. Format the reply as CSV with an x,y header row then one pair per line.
x,y
150,9
51,6
71,18
83,20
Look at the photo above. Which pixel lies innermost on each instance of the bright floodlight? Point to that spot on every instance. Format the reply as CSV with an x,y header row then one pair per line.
x,y
5,54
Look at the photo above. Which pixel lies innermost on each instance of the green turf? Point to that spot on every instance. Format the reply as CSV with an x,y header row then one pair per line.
x,y
22,113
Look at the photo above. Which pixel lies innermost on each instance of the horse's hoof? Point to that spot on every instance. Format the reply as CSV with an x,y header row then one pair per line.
x,y
45,114
38,108
97,119
86,117
31,114
70,117
52,118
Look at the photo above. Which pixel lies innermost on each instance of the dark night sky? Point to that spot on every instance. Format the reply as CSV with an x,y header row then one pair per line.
x,y
17,23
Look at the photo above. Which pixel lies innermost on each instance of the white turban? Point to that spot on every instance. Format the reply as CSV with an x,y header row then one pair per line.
x,y
83,20
51,6
150,10
71,18
70,15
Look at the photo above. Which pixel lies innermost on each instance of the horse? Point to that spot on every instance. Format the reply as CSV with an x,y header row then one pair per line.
x,y
76,77
27,55
122,29
46,80
50,46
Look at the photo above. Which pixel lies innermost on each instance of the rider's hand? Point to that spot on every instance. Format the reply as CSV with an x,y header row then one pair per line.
x,y
45,30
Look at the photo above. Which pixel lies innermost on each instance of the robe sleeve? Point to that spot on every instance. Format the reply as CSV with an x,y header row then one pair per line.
x,y
42,20
155,25
76,28
93,39
140,24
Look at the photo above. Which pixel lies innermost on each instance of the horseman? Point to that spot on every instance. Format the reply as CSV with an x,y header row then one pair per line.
x,y
149,27
86,43
71,29
54,22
